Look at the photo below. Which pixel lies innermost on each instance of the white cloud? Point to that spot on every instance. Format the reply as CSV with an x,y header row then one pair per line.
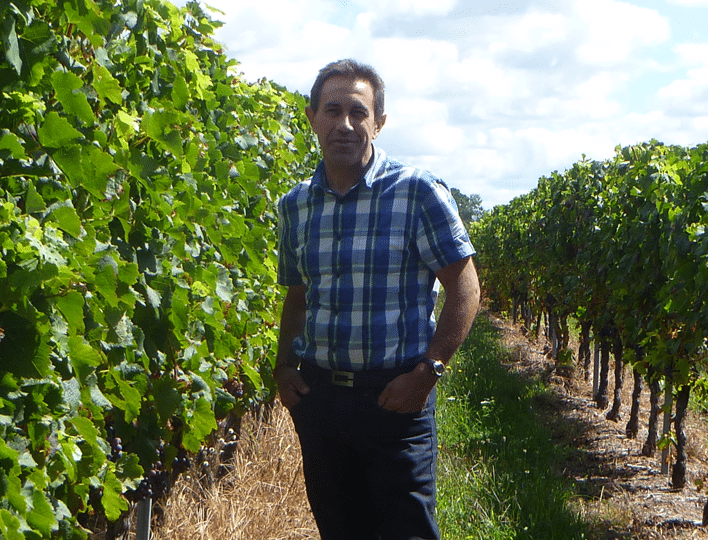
x,y
493,90
420,127
692,53
530,32
613,30
687,96
413,67
416,8
700,124
594,95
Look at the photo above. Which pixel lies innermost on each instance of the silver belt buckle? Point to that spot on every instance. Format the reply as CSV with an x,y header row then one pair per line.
x,y
343,378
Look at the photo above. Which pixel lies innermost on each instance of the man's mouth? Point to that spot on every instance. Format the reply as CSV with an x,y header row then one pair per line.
x,y
343,145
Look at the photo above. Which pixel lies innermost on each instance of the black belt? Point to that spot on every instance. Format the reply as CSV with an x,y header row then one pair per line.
x,y
353,379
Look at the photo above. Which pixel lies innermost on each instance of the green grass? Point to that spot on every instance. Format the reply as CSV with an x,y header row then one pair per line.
x,y
496,475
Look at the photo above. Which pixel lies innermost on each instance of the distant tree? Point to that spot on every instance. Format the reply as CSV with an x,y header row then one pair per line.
x,y
469,206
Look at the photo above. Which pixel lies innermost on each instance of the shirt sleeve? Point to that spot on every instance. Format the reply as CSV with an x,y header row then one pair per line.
x,y
288,272
441,236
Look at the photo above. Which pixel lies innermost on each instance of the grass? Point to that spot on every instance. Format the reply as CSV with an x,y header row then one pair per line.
x,y
261,498
496,475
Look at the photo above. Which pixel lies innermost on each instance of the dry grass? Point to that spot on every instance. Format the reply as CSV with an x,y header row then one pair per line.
x,y
261,498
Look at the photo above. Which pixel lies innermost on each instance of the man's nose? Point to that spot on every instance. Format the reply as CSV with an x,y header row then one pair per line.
x,y
346,123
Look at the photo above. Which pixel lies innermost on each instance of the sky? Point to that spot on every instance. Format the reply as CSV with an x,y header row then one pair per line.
x,y
491,96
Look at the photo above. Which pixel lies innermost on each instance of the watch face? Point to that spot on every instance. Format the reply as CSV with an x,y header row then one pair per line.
x,y
438,367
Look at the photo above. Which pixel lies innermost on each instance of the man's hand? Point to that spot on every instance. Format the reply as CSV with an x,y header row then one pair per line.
x,y
408,393
291,386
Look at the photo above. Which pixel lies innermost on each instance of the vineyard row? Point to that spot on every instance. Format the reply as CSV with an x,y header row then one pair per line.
x,y
621,248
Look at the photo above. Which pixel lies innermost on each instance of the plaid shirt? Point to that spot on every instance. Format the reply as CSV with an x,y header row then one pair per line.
x,y
368,260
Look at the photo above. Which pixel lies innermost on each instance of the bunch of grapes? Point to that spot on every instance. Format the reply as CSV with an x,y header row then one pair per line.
x,y
181,463
116,444
234,387
156,483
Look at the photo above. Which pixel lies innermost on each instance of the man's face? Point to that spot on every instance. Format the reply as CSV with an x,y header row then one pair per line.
x,y
344,122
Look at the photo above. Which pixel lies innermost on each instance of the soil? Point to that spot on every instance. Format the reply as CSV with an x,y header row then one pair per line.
x,y
622,494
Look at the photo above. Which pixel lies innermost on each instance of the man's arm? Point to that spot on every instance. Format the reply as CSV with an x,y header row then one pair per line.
x,y
409,392
461,305
292,322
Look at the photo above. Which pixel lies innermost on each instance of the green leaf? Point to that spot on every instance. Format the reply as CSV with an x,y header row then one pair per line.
x,y
180,92
69,158
106,282
10,43
10,526
67,220
129,399
98,167
71,307
252,374
160,127
56,131
70,455
126,127
86,166
33,201
10,141
129,471
41,516
201,424
169,398
107,86
86,429
68,88
11,484
83,357
113,502
224,285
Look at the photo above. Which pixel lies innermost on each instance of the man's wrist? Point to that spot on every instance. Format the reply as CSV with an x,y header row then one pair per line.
x,y
434,366
293,363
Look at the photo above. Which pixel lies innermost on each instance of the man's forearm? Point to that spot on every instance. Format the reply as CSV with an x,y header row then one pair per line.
x,y
292,323
462,297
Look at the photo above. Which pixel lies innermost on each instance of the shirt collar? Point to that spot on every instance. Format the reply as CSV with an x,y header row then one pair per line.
x,y
377,161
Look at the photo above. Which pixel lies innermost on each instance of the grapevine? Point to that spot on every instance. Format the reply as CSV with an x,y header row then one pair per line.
x,y
621,246
138,296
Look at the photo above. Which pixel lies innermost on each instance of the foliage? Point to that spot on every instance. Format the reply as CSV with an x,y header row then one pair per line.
x,y
469,206
138,298
622,243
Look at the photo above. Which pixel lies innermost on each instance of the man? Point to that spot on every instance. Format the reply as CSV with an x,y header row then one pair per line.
x,y
362,245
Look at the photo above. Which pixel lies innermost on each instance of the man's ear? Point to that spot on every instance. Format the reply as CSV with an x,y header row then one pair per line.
x,y
379,125
310,114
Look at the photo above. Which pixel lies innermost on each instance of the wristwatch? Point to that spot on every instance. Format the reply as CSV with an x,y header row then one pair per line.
x,y
437,368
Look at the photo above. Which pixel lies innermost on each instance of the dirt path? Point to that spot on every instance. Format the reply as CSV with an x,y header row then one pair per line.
x,y
620,492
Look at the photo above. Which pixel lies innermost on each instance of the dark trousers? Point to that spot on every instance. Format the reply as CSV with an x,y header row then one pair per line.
x,y
369,473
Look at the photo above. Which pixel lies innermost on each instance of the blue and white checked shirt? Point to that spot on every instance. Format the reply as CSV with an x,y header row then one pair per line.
x,y
368,260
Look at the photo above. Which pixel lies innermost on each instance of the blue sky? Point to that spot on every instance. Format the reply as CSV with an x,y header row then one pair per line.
x,y
490,95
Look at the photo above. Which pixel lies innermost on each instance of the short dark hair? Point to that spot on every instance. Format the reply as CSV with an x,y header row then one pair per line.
x,y
355,70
